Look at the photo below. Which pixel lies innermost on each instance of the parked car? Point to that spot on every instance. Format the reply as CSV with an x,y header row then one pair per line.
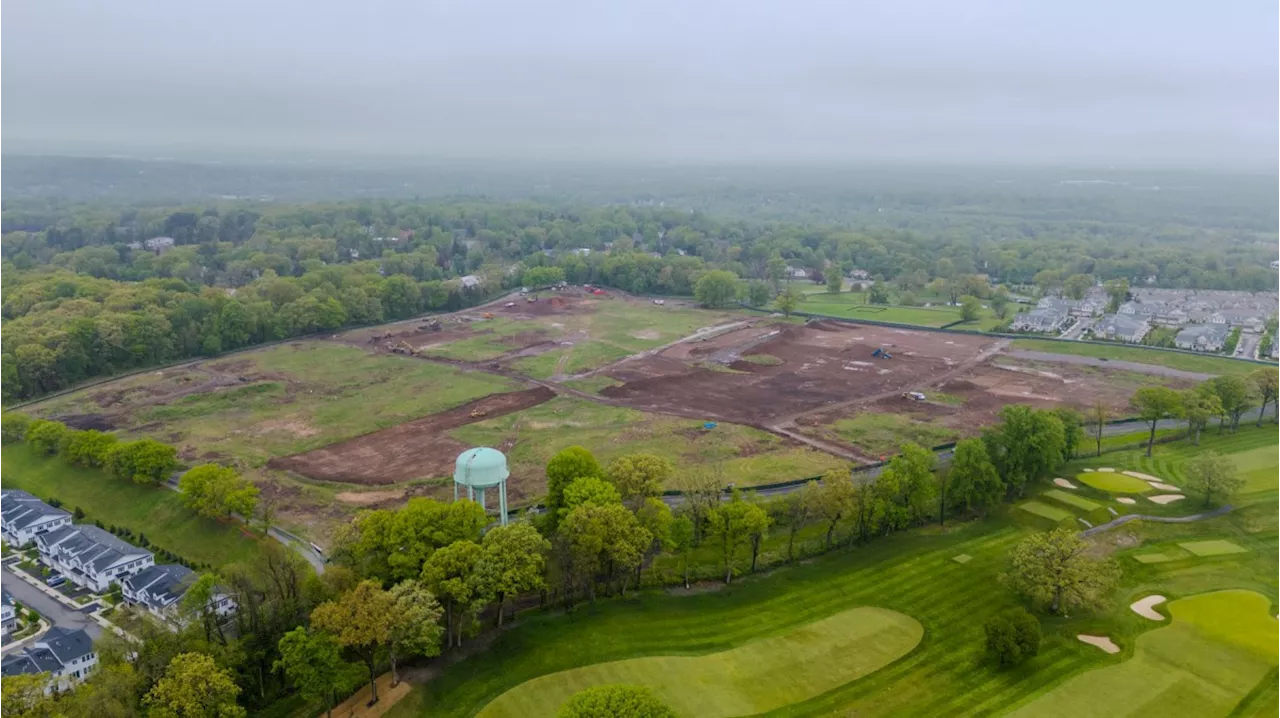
x,y
55,579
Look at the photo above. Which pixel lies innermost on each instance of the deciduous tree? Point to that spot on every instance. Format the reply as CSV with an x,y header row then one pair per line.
x,y
452,573
716,288
639,476
360,620
513,562
615,701
789,300
194,686
1213,475
218,491
1054,568
45,436
571,463
1012,637
972,480
1266,380
313,663
833,500
735,523
1096,420
970,309
415,624
145,461
1154,404
1236,396
1199,406
13,426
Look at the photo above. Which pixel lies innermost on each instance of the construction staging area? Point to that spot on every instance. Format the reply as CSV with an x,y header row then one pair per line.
x,y
390,407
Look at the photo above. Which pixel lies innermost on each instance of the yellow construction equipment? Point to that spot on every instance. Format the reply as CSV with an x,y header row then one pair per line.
x,y
477,413
487,315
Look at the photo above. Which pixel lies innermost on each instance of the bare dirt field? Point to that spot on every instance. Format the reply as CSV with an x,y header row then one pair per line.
x,y
416,449
810,366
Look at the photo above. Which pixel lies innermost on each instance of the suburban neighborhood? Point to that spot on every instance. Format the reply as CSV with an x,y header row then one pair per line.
x,y
1204,319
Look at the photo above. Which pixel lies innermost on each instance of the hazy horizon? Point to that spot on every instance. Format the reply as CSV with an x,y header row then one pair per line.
x,y
1086,84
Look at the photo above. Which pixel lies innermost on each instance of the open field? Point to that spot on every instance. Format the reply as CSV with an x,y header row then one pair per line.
x,y
154,511
1217,649
1119,352
758,676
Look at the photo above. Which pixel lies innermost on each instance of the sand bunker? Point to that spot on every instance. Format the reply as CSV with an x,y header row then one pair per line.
x,y
1107,470
1106,644
1145,607
1166,498
1165,487
1064,483
1126,500
1089,470
1140,475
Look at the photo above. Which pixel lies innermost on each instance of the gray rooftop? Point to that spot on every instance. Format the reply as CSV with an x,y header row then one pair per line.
x,y
93,546
20,509
166,581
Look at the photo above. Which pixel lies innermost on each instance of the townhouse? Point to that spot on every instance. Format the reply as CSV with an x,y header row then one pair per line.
x,y
23,517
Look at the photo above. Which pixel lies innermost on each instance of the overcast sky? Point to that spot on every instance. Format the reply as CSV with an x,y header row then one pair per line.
x,y
1078,81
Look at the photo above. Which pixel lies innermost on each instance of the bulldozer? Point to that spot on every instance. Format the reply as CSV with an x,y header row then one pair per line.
x,y
478,413
431,326
403,347
487,315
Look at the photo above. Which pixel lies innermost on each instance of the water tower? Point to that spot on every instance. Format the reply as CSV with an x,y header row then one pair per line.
x,y
480,469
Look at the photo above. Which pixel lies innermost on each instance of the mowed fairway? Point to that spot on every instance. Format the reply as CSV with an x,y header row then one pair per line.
x,y
1219,647
759,676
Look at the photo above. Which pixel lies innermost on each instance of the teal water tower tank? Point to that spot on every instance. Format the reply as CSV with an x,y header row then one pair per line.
x,y
480,469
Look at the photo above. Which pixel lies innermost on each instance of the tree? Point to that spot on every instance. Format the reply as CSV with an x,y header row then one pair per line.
x,y
313,663
833,500
199,602
360,620
878,294
1096,421
789,300
716,288
536,277
1012,637
615,701
655,517
1054,567
597,542
972,479
194,686
1077,285
89,448
513,562
639,476
1266,380
452,573
835,281
45,436
589,489
1154,404
795,509
415,624
1235,394
571,463
702,488
970,308
1117,293
1000,303
1072,434
1213,475
1026,444
758,293
145,461
1199,406
24,696
682,542
13,426
217,491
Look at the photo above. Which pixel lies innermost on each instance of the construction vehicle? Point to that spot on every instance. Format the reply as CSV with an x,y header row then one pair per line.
x,y
403,347
531,300
477,413
487,315
913,395
509,304
881,354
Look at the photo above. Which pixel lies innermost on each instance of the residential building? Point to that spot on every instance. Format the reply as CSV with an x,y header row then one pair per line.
x,y
160,588
8,613
1121,327
470,281
23,517
1039,320
90,557
797,272
66,655
1202,337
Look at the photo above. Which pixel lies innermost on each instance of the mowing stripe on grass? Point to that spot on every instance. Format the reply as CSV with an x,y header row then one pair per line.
x,y
1212,548
759,676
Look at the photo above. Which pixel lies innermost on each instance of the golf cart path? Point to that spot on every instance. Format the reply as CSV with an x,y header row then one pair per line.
x,y
1161,519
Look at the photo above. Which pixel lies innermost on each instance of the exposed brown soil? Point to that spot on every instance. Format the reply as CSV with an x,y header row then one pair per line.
x,y
414,450
101,422
822,363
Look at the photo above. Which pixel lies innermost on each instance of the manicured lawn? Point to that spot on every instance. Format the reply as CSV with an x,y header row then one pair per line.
x,y
884,434
761,675
1116,483
851,306
1218,648
154,511
1173,360
1091,510
911,574
747,456
1052,514
1212,548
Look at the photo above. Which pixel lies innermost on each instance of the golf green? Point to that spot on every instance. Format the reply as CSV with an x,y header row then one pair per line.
x,y
758,676
1218,648
1115,483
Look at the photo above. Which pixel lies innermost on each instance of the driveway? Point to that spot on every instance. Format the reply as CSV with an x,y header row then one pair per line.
x,y
58,613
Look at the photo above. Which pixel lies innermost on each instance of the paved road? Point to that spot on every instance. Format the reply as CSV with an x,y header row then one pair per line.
x,y
57,613
1248,346
1162,519
1078,328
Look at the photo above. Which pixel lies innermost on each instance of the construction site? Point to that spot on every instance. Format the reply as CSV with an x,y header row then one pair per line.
x,y
764,399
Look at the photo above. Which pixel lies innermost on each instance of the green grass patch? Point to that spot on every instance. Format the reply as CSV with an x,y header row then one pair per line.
x,y
1217,547
1174,360
1114,482
962,558
1043,515
762,675
884,434
762,359
848,306
1093,511
154,511
746,455
940,397
1217,649
1160,557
